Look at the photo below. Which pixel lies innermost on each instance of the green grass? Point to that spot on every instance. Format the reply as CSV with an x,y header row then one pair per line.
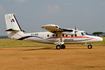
x,y
4,43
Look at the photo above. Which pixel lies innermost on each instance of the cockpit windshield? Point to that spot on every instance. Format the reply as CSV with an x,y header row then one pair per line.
x,y
84,33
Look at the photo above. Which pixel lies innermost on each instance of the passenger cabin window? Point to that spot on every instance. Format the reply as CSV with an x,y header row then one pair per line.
x,y
75,34
71,35
56,35
47,35
53,35
66,35
62,34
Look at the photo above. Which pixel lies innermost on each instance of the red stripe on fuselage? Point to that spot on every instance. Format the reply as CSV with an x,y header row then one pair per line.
x,y
72,37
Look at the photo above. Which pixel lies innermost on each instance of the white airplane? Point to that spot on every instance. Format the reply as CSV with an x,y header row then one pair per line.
x,y
56,35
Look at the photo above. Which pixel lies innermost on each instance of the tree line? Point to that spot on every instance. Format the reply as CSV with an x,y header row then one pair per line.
x,y
98,33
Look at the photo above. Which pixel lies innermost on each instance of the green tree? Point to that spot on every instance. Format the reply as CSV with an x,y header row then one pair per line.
x,y
97,33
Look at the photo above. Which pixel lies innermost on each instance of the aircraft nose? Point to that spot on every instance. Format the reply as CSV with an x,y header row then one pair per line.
x,y
100,39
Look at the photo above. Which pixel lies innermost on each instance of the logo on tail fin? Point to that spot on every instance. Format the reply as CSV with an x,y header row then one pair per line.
x,y
12,20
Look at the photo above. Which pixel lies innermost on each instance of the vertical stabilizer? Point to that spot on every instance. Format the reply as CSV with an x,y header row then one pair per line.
x,y
13,26
12,23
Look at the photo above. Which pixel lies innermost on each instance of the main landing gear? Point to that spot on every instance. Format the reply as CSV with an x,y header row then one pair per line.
x,y
60,47
89,46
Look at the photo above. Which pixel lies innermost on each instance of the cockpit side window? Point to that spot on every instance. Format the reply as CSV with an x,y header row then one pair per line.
x,y
82,34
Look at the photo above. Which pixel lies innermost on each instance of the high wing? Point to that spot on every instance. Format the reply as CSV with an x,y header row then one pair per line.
x,y
55,29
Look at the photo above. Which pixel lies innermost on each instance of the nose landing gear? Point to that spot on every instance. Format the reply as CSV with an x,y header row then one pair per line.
x,y
89,46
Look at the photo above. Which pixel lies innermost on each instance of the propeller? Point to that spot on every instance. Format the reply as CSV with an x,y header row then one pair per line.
x,y
75,27
75,31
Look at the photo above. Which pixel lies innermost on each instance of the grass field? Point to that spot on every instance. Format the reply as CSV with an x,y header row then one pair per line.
x,y
5,43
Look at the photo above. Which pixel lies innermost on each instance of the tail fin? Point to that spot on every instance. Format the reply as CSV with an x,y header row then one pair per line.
x,y
13,26
12,23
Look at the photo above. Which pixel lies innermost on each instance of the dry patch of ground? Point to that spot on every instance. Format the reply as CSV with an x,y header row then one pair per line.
x,y
48,58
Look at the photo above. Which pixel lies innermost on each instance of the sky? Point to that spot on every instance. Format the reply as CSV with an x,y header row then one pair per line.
x,y
87,15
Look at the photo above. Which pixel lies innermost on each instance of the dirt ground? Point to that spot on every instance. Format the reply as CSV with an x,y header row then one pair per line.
x,y
48,58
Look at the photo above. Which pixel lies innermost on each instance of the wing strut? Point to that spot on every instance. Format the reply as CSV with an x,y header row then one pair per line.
x,y
60,45
61,41
60,35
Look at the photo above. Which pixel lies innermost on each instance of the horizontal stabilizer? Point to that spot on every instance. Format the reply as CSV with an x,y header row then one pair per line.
x,y
12,30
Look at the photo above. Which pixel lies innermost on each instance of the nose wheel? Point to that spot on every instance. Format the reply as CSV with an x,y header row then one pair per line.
x,y
89,46
58,47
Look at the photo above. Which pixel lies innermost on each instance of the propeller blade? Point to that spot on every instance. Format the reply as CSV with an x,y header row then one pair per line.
x,y
75,27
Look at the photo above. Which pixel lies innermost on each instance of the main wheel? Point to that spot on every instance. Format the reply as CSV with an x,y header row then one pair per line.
x,y
89,46
62,46
58,47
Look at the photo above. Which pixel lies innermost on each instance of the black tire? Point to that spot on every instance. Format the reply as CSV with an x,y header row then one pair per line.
x,y
89,46
62,46
58,47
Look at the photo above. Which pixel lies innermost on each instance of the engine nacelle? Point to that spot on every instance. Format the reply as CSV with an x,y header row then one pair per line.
x,y
68,33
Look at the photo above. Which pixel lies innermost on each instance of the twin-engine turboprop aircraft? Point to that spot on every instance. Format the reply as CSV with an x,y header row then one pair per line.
x,y
56,35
